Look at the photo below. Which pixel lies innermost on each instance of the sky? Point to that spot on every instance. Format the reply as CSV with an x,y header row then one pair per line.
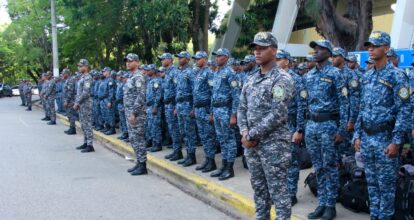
x,y
223,8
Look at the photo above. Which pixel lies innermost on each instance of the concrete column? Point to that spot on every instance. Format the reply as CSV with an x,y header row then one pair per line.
x,y
402,32
287,11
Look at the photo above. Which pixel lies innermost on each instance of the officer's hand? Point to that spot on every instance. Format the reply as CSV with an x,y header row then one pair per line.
x,y
192,114
233,121
350,127
175,112
211,119
76,106
338,138
297,137
357,145
109,105
248,144
132,120
392,150
154,110
65,104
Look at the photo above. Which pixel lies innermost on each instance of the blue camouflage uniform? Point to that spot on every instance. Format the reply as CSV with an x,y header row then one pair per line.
x,y
59,95
203,81
225,100
97,116
325,96
119,102
107,95
384,110
184,80
169,91
153,101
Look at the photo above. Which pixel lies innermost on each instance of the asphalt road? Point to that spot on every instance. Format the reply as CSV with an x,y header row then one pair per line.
x,y
42,176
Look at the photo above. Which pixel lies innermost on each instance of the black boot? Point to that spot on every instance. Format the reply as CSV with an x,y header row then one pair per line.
x,y
178,155
123,136
203,165
133,168
211,165
318,213
329,214
218,172
105,129
148,144
83,146
228,172
46,118
293,200
71,131
191,160
110,131
244,162
29,109
99,128
88,149
51,123
168,156
156,148
140,170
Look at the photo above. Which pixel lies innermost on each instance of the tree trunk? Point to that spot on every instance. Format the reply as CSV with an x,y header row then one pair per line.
x,y
196,26
206,23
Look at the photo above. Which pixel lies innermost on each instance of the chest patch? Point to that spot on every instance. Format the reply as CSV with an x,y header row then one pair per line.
x,y
278,92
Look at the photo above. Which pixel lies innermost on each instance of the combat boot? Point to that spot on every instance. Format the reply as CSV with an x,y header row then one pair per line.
x,y
46,118
181,162
329,214
203,165
51,123
228,172
133,168
168,156
318,213
29,109
178,155
88,149
71,131
155,148
191,160
140,170
83,146
110,131
105,129
218,172
293,200
211,165
148,144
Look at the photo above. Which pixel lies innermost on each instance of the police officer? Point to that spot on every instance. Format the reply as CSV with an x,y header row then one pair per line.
x,y
325,95
97,117
310,61
28,94
249,67
59,94
42,98
381,124
119,101
203,82
262,118
135,111
107,97
184,80
83,103
50,97
283,60
212,65
393,57
225,100
352,63
21,93
169,93
69,97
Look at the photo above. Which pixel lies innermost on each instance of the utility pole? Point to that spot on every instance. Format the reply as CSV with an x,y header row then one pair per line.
x,y
54,40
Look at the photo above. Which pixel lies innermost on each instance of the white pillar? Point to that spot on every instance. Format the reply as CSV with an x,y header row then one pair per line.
x,y
54,40
287,10
402,32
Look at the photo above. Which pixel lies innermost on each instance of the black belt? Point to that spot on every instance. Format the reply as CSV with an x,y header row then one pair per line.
x,y
387,127
322,117
169,101
202,104
217,104
184,99
149,104
292,119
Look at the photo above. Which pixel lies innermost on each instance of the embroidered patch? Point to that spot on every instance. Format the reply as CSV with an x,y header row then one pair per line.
x,y
210,82
87,85
175,81
278,92
110,83
326,80
156,85
385,83
304,94
404,93
138,84
354,83
344,91
234,83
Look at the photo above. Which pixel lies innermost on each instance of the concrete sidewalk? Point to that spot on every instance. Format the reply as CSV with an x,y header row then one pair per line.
x,y
233,196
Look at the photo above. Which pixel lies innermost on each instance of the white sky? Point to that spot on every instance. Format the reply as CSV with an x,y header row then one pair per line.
x,y
4,16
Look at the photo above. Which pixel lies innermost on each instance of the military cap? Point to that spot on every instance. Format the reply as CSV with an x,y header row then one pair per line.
x,y
165,56
378,38
302,66
337,51
66,70
48,73
120,73
183,54
283,54
264,39
392,53
222,52
200,54
351,58
310,58
248,59
83,62
106,69
150,67
322,43
131,57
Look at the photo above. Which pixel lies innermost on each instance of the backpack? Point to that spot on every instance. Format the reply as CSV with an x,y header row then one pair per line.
x,y
404,195
312,183
354,194
305,161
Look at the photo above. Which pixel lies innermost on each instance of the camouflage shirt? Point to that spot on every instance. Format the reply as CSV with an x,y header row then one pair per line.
x,y
84,89
134,93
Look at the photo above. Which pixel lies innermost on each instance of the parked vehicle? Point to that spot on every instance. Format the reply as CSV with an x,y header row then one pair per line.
x,y
5,90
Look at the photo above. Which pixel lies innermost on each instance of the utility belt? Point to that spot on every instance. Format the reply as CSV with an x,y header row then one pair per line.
x,y
219,104
323,117
184,99
202,104
169,101
372,130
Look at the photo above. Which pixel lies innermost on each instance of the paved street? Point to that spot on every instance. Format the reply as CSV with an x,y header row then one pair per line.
x,y
42,176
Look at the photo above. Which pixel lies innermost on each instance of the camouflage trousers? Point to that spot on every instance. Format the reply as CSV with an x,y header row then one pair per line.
x,y
294,168
71,114
50,105
29,100
97,117
187,126
108,114
320,138
153,128
206,131
172,123
381,174
268,164
225,134
45,106
137,135
85,118
122,119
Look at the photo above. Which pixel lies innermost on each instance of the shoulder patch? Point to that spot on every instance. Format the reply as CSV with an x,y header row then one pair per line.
x,y
234,83
138,84
156,85
344,91
404,93
87,85
110,83
210,82
304,94
278,92
175,80
354,83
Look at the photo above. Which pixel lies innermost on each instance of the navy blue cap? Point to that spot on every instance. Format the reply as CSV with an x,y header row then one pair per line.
x,y
106,69
183,54
337,51
283,54
322,43
165,56
222,52
351,58
200,54
248,58
378,38
150,67
392,53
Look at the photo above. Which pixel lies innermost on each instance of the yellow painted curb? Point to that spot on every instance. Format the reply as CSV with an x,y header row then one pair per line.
x,y
237,201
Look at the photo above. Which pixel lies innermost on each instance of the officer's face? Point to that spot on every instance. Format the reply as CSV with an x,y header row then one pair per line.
x,y
264,55
395,61
166,62
221,60
132,65
201,62
150,73
282,63
182,61
106,74
377,52
337,61
352,65
321,54
83,69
